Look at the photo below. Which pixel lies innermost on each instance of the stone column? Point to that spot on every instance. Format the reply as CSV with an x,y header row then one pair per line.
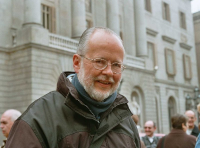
x,y
32,12
113,15
140,28
78,18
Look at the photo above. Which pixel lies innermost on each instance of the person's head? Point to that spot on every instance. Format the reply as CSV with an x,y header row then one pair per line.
x,y
191,118
98,49
135,118
149,128
179,122
7,120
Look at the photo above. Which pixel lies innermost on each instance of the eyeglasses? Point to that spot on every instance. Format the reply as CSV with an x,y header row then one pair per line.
x,y
101,64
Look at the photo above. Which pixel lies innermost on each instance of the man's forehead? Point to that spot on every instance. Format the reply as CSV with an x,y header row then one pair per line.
x,y
100,35
190,114
149,124
5,117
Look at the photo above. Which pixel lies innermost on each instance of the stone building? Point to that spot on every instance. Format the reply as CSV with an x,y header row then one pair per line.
x,y
39,37
196,19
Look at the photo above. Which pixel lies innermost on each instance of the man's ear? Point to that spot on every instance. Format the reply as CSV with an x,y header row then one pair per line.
x,y
76,62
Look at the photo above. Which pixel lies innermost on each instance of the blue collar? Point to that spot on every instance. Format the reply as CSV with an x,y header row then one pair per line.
x,y
96,107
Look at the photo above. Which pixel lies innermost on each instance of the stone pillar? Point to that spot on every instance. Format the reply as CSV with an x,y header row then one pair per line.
x,y
128,27
113,15
140,29
6,22
78,18
32,12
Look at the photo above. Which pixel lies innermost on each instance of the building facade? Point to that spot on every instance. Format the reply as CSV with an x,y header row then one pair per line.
x,y
196,19
38,39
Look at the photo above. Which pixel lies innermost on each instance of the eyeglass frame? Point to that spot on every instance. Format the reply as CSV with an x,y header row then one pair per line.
x,y
122,66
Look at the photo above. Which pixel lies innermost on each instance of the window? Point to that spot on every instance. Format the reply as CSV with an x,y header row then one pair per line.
x,y
170,62
148,5
88,23
88,6
48,18
151,52
166,11
120,25
171,110
88,9
187,67
182,20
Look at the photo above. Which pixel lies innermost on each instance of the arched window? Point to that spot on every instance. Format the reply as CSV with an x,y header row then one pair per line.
x,y
137,105
171,109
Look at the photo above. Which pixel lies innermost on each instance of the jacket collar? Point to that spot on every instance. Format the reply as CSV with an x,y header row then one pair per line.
x,y
65,87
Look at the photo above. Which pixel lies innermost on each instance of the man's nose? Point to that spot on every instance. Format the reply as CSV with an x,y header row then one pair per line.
x,y
108,70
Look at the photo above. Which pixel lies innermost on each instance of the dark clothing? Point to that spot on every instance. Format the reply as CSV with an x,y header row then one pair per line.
x,y
142,144
148,144
177,138
60,119
195,131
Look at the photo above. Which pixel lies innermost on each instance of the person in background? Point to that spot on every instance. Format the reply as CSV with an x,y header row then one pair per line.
x,y
136,119
85,111
177,138
7,120
149,139
198,138
192,128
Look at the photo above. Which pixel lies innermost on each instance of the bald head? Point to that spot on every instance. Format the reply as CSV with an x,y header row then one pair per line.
x,y
7,120
88,33
149,128
191,118
12,113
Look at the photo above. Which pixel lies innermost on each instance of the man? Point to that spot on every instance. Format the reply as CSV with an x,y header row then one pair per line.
x,y
7,120
177,138
85,111
149,139
192,128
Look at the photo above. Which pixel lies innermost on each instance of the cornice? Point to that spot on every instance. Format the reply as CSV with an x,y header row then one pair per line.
x,y
168,39
151,32
173,83
38,46
151,72
185,46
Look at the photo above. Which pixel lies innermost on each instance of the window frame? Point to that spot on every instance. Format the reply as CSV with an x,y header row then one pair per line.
x,y
154,53
49,21
148,6
89,17
182,19
166,11
187,77
173,62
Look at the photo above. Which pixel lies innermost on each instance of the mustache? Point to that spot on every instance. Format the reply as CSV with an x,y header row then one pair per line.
x,y
104,78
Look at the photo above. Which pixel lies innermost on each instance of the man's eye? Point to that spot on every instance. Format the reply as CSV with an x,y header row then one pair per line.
x,y
117,65
99,61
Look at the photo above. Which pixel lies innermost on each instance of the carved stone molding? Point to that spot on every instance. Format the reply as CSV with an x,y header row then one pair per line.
x,y
151,32
168,39
185,46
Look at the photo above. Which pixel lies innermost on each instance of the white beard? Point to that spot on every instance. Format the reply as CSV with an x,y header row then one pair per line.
x,y
88,84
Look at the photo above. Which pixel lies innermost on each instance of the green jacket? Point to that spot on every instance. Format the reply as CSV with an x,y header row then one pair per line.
x,y
60,120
